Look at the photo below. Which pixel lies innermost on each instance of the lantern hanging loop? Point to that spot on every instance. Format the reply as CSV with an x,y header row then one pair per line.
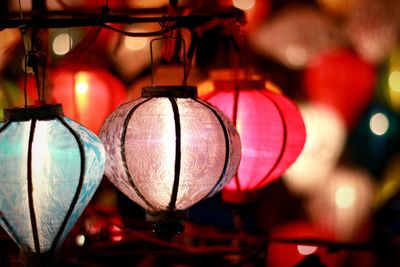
x,y
184,82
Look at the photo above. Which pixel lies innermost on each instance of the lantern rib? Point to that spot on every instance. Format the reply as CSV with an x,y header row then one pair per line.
x,y
80,183
5,126
227,147
123,154
30,189
235,111
178,151
283,144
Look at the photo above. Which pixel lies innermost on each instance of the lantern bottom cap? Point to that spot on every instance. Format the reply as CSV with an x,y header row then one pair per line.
x,y
167,224
238,197
32,259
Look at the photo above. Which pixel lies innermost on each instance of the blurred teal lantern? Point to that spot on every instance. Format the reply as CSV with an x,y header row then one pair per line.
x,y
50,167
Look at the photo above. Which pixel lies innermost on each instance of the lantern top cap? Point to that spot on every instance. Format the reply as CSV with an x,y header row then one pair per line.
x,y
44,112
176,91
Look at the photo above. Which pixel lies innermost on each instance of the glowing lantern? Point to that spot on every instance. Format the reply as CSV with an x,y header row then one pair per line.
x,y
88,94
50,169
168,150
339,7
349,90
271,131
343,203
326,134
281,254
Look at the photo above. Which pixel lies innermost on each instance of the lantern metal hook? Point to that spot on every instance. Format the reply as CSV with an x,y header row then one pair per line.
x,y
152,57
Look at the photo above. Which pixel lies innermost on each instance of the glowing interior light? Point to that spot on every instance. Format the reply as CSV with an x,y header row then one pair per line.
x,y
394,81
345,197
244,4
62,44
135,43
379,124
81,84
306,250
80,240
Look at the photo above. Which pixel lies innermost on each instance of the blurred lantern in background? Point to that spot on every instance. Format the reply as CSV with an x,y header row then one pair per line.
x,y
390,80
375,139
10,96
295,36
9,40
271,131
389,184
88,94
373,28
50,168
63,40
281,254
343,204
326,135
342,8
256,11
167,151
130,55
342,80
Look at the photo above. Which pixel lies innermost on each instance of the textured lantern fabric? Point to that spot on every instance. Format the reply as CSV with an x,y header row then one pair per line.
x,y
167,153
88,94
49,170
341,79
271,130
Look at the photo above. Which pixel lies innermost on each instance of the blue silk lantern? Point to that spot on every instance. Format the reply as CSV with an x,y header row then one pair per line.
x,y
50,167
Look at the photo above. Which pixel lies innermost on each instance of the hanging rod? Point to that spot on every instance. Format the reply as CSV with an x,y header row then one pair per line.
x,y
65,19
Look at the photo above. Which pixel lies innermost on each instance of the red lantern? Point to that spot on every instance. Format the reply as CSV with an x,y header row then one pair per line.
x,y
88,94
343,80
285,254
271,130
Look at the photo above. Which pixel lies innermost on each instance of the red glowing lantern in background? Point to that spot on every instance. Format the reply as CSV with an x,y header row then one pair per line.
x,y
271,130
88,94
281,254
342,80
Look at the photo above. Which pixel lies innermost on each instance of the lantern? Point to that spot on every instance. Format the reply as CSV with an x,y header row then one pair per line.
x,y
289,254
326,135
343,203
168,150
88,94
295,36
50,169
271,130
348,91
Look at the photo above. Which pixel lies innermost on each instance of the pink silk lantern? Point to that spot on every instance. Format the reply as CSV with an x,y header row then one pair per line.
x,y
271,130
88,94
342,80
